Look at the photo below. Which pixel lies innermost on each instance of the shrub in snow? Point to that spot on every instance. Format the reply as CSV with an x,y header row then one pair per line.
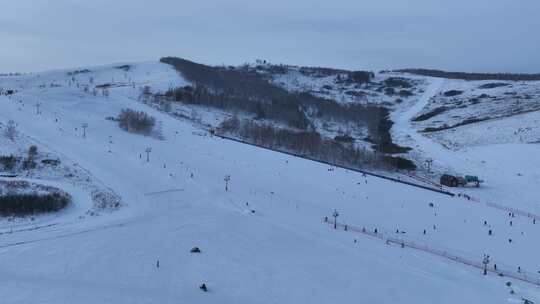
x,y
230,125
51,162
453,93
105,200
398,82
361,77
27,204
389,91
345,138
493,85
405,93
136,121
32,151
29,162
166,106
8,163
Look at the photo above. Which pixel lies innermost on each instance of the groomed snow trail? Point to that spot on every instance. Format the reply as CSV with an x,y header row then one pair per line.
x,y
404,128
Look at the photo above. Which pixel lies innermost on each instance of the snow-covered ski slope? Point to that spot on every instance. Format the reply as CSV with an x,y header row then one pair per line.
x,y
263,241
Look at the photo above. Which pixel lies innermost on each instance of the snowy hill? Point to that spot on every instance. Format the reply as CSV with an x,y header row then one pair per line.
x,y
488,128
264,239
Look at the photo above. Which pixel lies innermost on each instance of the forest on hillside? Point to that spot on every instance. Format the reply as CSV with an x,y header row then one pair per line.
x,y
243,89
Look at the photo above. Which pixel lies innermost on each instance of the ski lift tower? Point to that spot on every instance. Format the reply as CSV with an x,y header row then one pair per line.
x,y
84,126
38,106
148,151
429,162
335,215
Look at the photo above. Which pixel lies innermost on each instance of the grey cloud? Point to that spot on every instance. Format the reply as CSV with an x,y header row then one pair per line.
x,y
479,35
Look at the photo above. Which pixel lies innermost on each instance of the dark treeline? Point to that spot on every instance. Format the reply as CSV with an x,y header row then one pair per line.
x,y
310,144
29,204
398,82
320,71
375,118
290,108
472,76
11,163
430,114
232,88
358,77
231,80
344,76
283,109
383,143
243,89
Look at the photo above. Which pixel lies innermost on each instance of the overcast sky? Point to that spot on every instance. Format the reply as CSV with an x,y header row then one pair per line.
x,y
468,35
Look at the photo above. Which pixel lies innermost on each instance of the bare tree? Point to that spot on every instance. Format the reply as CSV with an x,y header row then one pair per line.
x,y
166,106
11,130
136,121
195,116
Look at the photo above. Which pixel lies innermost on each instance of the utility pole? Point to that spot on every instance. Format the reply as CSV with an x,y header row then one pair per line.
x,y
485,261
429,162
84,126
227,179
335,215
148,150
